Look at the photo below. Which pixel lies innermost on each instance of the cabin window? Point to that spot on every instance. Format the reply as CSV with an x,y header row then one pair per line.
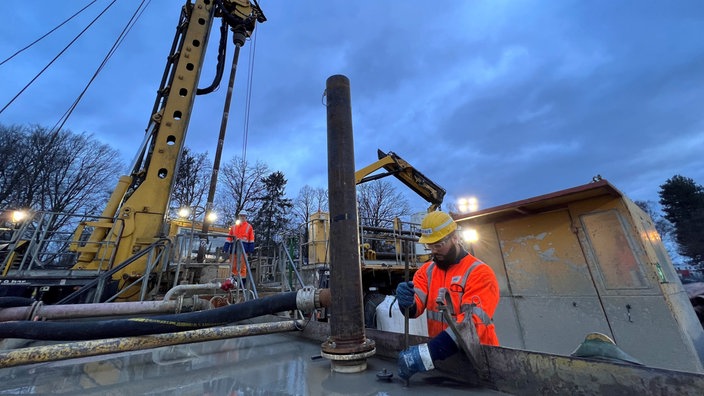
x,y
613,250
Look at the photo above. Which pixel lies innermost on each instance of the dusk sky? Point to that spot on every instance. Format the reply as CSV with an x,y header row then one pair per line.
x,y
502,100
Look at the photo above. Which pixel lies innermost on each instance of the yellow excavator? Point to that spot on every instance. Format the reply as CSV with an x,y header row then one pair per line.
x,y
407,174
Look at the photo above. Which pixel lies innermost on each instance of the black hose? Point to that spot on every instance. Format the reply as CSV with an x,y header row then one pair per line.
x,y
11,302
220,67
91,330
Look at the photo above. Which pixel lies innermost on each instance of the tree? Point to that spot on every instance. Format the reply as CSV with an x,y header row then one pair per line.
x,y
663,227
378,202
272,214
242,185
65,174
683,204
12,141
192,181
309,201
55,171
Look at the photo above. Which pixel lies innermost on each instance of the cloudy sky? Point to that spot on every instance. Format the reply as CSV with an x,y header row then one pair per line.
x,y
502,100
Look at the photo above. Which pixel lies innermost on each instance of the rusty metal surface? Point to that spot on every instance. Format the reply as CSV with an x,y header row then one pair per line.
x,y
586,260
521,372
290,364
51,352
346,312
534,373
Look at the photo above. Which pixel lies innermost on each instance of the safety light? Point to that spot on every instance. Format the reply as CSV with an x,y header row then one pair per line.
x,y
466,205
185,212
470,235
212,216
18,215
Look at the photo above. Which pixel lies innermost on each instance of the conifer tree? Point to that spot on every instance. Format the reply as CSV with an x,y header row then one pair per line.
x,y
272,215
682,202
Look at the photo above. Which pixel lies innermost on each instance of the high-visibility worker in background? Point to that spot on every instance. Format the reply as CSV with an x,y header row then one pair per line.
x,y
242,231
469,283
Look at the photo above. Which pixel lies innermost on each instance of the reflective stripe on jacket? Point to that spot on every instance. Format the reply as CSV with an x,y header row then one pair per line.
x,y
242,231
472,287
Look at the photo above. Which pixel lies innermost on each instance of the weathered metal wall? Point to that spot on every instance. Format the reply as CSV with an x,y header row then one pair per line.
x,y
569,265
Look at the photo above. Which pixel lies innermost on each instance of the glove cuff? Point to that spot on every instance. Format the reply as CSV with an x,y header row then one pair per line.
x,y
425,357
442,346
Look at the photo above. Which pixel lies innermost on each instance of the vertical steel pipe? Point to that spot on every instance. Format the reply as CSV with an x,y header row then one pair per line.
x,y
347,346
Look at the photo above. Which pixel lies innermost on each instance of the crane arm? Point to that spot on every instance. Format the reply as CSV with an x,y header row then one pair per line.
x,y
402,170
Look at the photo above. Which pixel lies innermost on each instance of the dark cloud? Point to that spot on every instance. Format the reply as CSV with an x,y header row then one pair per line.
x,y
502,100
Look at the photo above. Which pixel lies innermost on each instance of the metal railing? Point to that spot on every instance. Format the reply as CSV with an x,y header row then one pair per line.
x,y
280,269
157,256
48,240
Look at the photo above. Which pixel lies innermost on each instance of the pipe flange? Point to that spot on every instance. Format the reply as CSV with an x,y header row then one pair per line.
x,y
349,363
348,348
349,356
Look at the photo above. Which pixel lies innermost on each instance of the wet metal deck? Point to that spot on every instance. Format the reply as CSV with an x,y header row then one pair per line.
x,y
271,364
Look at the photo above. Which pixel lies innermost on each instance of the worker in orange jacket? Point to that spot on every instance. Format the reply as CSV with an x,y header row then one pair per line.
x,y
470,284
242,231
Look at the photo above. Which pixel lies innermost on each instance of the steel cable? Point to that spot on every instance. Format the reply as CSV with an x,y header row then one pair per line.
x,y
57,56
47,33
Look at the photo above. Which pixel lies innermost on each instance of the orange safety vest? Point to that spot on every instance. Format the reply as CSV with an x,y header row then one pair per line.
x,y
242,231
472,286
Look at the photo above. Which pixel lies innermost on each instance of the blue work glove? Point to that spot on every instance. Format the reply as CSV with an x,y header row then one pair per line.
x,y
419,358
406,297
415,359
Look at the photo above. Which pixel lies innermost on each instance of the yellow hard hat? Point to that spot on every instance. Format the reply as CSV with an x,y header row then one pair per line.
x,y
436,226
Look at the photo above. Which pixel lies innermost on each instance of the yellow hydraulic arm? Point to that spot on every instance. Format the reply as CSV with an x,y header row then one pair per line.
x,y
402,170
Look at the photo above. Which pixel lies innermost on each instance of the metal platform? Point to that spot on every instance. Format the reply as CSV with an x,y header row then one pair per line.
x,y
271,364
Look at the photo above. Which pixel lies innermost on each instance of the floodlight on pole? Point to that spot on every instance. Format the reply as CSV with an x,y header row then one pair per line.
x,y
466,205
184,212
212,216
18,215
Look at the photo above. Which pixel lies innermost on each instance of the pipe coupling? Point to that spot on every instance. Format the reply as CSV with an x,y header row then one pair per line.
x,y
307,299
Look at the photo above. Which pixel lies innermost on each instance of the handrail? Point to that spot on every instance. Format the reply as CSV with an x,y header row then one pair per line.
x,y
103,277
292,265
46,241
239,253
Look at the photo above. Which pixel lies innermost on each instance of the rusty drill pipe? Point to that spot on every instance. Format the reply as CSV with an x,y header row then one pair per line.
x,y
347,346
50,353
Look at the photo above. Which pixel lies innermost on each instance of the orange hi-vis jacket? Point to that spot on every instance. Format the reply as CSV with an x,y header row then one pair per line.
x,y
472,286
242,231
